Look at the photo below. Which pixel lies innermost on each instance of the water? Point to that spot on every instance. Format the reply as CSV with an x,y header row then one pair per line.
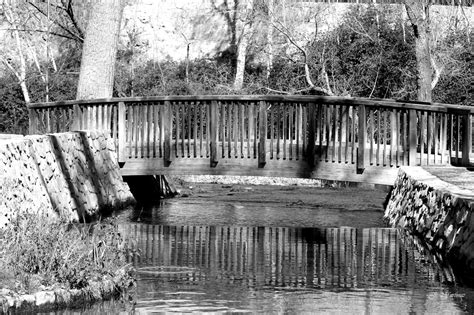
x,y
241,249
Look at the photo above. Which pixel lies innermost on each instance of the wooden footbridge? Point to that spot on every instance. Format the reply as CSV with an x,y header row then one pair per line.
x,y
335,138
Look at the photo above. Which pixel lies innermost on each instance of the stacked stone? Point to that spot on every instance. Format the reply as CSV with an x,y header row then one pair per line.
x,y
22,189
54,178
69,176
435,211
92,171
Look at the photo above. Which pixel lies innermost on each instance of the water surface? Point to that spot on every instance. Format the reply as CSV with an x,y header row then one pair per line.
x,y
281,250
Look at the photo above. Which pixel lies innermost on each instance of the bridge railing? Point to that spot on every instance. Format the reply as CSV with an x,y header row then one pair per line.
x,y
315,129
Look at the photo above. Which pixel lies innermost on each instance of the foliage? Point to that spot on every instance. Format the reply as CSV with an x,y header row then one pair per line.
x,y
39,251
13,113
455,85
367,56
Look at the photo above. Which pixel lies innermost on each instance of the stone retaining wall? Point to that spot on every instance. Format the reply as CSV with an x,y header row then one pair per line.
x,y
437,212
70,175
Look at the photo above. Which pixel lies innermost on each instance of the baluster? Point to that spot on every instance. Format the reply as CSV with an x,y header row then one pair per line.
x,y
346,124
340,131
379,137
213,120
167,125
262,134
385,136
235,131
144,130
195,132
183,127
311,133
393,138
436,137
229,130
335,132
137,121
321,129
177,123
242,129
201,127
208,131
304,129
396,141
328,129
361,139
444,137
156,130
284,131
290,130
372,135
222,128
466,138
429,134
150,148
121,141
299,121
278,131
189,106
412,137
272,128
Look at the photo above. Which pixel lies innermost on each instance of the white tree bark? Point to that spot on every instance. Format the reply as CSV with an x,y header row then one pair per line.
x,y
245,22
96,76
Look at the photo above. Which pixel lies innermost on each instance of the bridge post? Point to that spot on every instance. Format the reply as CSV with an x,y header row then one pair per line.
x,y
412,130
32,121
76,123
262,130
166,125
121,148
213,126
467,138
362,139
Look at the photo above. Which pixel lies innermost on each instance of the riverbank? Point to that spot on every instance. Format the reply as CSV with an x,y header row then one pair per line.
x,y
46,264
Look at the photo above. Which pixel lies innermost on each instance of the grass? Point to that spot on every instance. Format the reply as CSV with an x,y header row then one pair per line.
x,y
39,253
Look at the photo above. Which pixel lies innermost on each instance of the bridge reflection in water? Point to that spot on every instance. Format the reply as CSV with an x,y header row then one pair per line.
x,y
370,263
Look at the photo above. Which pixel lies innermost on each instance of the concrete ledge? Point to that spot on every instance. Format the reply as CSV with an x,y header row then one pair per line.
x,y
437,212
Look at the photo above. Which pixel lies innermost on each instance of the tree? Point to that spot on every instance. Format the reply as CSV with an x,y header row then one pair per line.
x,y
418,12
96,76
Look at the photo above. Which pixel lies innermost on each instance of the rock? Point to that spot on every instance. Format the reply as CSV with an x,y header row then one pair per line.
x,y
44,297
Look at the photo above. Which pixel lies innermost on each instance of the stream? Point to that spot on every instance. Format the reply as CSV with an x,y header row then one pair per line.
x,y
280,249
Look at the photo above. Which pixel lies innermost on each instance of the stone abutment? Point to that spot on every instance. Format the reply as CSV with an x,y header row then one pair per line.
x,y
72,176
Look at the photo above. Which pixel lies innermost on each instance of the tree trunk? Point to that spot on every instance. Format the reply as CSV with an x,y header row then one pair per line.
x,y
418,13
271,21
96,76
241,57
245,22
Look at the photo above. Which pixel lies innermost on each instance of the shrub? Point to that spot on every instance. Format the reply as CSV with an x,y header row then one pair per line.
x,y
37,251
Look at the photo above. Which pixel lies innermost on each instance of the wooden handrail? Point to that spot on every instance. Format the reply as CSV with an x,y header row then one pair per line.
x,y
389,103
